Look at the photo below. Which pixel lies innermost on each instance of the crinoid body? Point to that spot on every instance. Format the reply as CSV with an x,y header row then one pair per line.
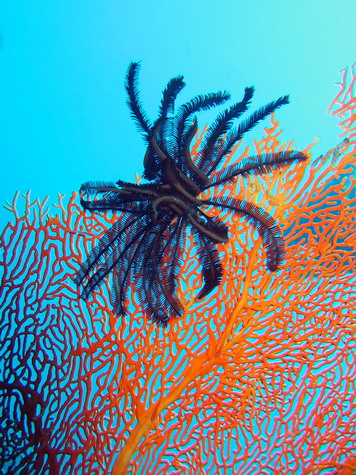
x,y
146,243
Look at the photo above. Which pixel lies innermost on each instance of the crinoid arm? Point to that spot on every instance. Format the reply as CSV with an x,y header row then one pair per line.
x,y
116,196
246,125
143,254
256,165
263,222
160,260
133,99
111,252
216,146
212,270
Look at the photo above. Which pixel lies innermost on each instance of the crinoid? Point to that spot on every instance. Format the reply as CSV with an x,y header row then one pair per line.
x,y
146,243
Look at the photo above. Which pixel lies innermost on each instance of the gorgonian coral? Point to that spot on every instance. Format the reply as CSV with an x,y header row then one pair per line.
x,y
259,376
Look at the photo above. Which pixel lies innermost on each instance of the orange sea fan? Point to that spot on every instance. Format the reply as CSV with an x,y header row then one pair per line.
x,y
259,377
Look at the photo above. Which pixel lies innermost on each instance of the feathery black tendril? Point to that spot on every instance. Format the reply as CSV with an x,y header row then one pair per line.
x,y
145,246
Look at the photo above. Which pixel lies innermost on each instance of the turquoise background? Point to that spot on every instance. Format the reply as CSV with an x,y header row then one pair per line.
x,y
63,116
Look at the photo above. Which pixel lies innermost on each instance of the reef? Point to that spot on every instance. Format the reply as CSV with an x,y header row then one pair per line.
x,y
259,375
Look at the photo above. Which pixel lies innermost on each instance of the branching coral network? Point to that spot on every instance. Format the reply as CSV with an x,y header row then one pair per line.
x,y
259,376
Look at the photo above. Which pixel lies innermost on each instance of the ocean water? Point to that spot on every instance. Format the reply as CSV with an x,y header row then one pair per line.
x,y
64,117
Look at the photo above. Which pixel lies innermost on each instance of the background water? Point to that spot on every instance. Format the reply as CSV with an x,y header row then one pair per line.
x,y
63,116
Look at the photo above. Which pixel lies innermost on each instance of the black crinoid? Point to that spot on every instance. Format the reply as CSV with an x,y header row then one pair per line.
x,y
144,247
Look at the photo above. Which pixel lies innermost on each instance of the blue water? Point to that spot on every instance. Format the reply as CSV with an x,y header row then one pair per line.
x,y
63,116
